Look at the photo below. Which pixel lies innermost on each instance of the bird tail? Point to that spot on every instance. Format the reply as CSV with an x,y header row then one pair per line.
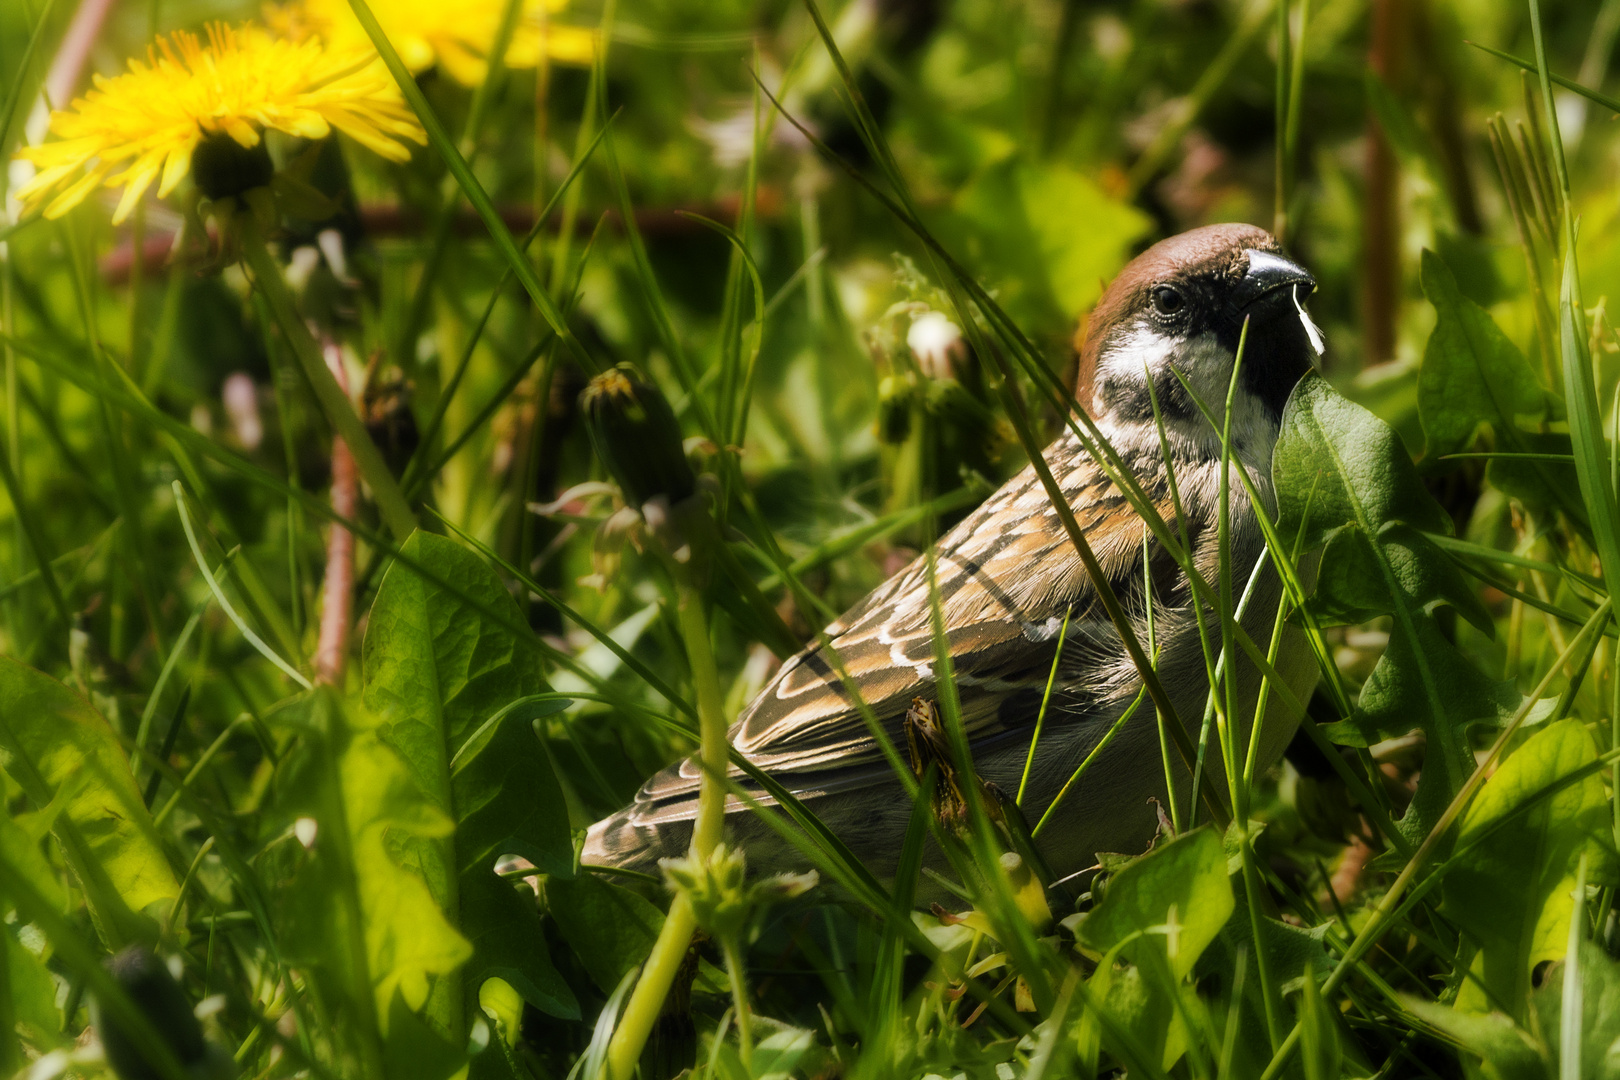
x,y
620,841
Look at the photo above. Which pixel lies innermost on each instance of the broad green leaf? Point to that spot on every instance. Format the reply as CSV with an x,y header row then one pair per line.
x,y
32,992
1347,467
1077,260
436,667
1348,470
1159,914
350,907
1173,900
1290,952
54,745
1472,373
1506,1051
441,676
22,851
1541,485
1600,1013
779,1053
1141,1008
610,929
1351,586
494,788
408,939
1536,849
1396,697
416,1048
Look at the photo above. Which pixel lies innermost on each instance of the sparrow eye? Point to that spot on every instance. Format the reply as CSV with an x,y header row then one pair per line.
x,y
1166,301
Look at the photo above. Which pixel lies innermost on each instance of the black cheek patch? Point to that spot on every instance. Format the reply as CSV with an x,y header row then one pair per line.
x,y
1174,401
1133,402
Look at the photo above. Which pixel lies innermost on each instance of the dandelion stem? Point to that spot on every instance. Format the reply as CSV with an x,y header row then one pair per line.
x,y
395,511
337,603
736,969
647,1000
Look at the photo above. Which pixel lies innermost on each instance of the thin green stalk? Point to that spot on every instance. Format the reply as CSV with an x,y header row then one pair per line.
x,y
395,511
1571,1006
36,542
1013,929
284,383
414,483
694,624
595,102
735,970
1279,211
1296,92
858,536
125,484
1080,771
1269,992
1227,716
430,431
1459,546
444,216
197,768
165,749
476,195
669,949
143,730
1046,699
253,639
1610,103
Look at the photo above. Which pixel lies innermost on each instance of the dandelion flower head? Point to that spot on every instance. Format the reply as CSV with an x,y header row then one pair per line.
x,y
455,36
144,125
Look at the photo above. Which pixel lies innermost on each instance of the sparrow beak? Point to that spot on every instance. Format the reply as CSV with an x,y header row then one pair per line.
x,y
1266,274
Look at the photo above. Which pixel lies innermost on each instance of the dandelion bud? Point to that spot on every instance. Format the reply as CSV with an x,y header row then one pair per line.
x,y
896,396
715,887
636,436
223,167
723,903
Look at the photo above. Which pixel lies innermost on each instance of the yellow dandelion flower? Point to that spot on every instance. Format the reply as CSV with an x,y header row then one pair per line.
x,y
457,36
145,125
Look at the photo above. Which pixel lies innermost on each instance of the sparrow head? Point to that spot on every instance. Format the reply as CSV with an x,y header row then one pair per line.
x,y
1181,305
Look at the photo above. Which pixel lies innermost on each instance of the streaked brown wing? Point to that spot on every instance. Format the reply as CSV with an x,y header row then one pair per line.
x,y
1006,576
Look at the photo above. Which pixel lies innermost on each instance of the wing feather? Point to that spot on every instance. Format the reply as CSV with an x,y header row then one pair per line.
x,y
1007,575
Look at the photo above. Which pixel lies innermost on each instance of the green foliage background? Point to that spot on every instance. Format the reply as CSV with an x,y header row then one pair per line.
x,y
378,876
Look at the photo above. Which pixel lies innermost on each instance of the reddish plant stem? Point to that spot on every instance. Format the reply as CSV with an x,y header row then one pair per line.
x,y
1380,236
337,596
67,67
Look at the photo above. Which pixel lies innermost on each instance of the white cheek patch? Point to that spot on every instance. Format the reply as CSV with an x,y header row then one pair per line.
x,y
1144,348
1312,331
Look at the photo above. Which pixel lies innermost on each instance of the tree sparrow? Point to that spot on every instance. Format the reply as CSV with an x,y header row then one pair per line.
x,y
1008,577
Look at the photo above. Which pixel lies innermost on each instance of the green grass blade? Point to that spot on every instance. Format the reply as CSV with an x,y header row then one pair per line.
x,y
225,605
474,191
1612,104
